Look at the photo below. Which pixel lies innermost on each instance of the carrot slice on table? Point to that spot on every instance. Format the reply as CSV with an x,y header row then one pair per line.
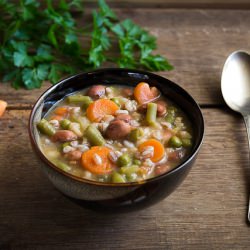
x,y
96,160
3,106
144,94
159,150
61,111
99,108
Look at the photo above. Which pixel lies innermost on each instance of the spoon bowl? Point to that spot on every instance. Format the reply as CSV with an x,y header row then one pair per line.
x,y
235,82
235,87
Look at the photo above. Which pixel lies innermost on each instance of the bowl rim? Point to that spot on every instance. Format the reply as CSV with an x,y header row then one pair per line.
x,y
108,184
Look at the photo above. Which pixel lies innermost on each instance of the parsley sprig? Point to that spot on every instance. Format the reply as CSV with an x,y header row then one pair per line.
x,y
38,44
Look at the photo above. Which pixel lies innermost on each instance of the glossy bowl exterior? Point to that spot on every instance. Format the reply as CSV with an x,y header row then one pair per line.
x,y
125,196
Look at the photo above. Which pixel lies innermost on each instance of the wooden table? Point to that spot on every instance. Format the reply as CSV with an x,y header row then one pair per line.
x,y
208,211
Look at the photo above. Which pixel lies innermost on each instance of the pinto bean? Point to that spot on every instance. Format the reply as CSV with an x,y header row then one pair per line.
x,y
127,92
96,91
64,136
155,92
162,169
74,155
117,129
161,108
124,117
176,155
142,108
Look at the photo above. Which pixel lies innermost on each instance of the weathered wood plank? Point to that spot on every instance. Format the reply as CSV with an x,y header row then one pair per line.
x,y
177,3
240,4
196,42
208,211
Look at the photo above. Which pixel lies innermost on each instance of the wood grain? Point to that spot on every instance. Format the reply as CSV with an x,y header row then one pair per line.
x,y
196,42
208,211
240,4
177,3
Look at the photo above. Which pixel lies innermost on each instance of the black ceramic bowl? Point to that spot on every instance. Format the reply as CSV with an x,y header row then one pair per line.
x,y
122,196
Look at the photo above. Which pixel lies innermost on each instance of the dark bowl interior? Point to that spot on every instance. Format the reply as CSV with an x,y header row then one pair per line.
x,y
153,189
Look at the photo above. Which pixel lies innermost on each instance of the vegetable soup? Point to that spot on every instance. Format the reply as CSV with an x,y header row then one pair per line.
x,y
116,134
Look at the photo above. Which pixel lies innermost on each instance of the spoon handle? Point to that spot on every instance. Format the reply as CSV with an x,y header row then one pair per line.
x,y
247,123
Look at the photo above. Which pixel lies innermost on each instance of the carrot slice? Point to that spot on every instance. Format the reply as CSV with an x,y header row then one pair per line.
x,y
159,150
99,108
96,160
3,106
61,111
144,94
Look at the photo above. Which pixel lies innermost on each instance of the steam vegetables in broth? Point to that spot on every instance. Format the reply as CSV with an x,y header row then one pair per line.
x,y
116,134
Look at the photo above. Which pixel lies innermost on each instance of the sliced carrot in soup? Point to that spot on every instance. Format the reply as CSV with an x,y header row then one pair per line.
x,y
159,150
99,108
144,94
61,111
96,160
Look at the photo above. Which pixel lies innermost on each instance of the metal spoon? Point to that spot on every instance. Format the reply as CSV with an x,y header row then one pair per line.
x,y
235,86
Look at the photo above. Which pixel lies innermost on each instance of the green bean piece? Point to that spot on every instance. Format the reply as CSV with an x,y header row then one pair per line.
x,y
136,134
175,142
86,103
137,162
62,165
124,160
117,178
65,123
94,136
79,99
151,113
186,143
129,169
116,100
46,128
82,120
76,128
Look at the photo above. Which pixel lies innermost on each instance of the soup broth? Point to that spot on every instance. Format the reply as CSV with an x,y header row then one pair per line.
x,y
116,134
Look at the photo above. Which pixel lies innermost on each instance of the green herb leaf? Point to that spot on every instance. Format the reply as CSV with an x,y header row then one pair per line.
x,y
44,53
52,35
10,76
54,74
38,44
21,59
71,38
32,77
18,82
105,10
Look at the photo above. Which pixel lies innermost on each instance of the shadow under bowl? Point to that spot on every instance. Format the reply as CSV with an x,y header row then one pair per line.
x,y
122,196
